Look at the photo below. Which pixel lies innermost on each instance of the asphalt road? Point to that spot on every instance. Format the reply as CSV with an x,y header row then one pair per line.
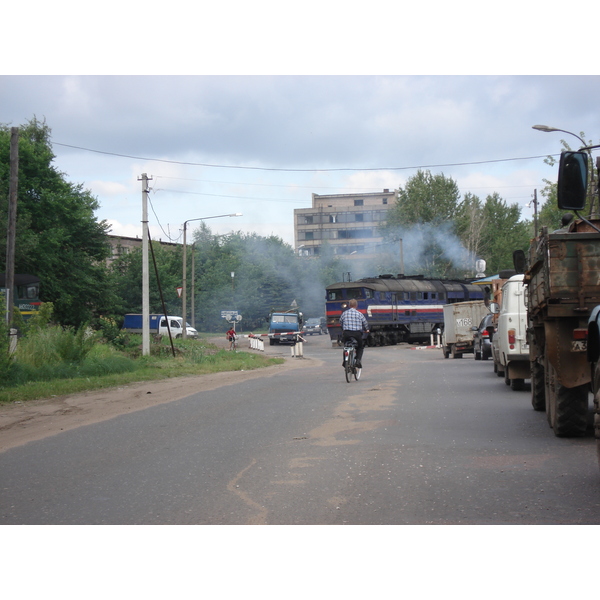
x,y
418,440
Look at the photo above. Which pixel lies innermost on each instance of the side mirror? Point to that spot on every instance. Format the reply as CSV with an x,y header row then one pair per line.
x,y
572,180
494,308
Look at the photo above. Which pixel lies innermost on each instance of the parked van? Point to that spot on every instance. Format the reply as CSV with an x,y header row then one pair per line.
x,y
509,344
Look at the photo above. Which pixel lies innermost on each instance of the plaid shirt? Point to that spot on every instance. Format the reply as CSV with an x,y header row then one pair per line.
x,y
352,320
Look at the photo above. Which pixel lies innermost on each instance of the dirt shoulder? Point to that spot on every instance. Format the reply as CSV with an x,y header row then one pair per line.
x,y
23,422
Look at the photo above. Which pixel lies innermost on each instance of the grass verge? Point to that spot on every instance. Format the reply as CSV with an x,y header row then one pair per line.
x,y
146,368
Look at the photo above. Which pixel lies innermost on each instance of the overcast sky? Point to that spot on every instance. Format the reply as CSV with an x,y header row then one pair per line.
x,y
260,144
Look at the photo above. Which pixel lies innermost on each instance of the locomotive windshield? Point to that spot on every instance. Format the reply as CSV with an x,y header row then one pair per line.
x,y
349,293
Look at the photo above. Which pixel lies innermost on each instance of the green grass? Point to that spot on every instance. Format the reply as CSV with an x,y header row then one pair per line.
x,y
40,372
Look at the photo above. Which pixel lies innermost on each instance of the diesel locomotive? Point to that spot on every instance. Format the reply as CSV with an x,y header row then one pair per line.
x,y
401,308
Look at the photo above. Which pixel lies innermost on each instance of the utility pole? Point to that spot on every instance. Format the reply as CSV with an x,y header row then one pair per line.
x,y
535,224
193,322
12,223
145,273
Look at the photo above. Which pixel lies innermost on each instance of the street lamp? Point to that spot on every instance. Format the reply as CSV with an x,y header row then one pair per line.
x,y
547,129
184,286
584,145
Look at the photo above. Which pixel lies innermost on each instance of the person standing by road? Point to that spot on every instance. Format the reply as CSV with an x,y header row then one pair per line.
x,y
353,324
231,338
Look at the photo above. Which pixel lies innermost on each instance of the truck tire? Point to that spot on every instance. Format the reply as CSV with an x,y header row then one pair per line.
x,y
549,389
499,370
597,409
538,393
455,353
597,426
477,354
569,415
446,351
517,385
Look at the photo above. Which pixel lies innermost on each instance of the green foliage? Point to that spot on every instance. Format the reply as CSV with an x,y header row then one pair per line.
x,y
110,331
51,353
267,274
443,235
6,359
58,238
53,345
425,219
503,233
43,316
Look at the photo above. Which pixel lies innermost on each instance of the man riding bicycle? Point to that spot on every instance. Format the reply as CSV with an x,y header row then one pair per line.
x,y
353,324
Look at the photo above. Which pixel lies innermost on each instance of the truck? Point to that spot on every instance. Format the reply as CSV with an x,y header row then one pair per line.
x,y
563,288
133,323
509,342
459,320
284,326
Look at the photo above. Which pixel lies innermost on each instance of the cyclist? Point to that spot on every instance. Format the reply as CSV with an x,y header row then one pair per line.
x,y
231,336
353,324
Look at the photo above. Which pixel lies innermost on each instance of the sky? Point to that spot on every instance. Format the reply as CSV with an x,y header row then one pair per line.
x,y
264,124
261,145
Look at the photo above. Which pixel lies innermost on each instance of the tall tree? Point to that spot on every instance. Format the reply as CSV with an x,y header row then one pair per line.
x,y
423,217
503,233
59,239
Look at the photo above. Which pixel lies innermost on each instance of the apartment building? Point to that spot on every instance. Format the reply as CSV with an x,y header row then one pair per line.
x,y
121,245
347,222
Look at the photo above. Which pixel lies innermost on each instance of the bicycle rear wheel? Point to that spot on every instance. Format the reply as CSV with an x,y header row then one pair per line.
x,y
348,371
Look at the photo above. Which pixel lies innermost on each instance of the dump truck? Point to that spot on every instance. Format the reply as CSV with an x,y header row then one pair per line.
x,y
562,289
284,326
459,320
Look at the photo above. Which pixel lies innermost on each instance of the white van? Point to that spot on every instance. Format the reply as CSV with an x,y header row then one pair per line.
x,y
510,348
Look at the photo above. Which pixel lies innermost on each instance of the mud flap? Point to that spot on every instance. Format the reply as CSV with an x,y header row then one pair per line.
x,y
572,368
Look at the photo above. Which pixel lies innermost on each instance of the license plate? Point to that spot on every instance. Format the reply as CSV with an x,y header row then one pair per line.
x,y
578,345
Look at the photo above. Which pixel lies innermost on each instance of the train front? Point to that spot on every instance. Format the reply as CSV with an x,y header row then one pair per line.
x,y
336,302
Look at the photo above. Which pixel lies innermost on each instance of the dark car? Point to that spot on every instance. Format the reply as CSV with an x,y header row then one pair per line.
x,y
315,326
482,346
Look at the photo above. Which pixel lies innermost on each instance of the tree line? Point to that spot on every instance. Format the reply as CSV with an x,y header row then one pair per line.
x,y
60,240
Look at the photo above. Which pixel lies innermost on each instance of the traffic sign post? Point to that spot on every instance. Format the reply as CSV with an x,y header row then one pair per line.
x,y
231,316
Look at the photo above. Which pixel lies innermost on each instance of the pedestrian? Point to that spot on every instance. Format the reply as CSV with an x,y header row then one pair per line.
x,y
353,324
231,338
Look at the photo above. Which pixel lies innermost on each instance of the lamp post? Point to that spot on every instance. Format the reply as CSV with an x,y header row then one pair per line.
x,y
184,286
584,144
547,129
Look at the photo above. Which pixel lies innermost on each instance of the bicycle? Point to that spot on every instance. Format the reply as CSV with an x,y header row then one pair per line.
x,y
233,343
350,368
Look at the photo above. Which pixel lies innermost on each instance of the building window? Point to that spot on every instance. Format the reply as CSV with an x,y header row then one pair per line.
x,y
332,218
350,234
308,220
359,217
385,200
359,202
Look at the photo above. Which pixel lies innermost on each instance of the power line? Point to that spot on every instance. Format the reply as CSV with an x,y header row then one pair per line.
x,y
226,196
217,166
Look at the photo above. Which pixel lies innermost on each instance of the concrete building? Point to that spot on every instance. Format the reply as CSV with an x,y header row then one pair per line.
x,y
121,245
347,222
